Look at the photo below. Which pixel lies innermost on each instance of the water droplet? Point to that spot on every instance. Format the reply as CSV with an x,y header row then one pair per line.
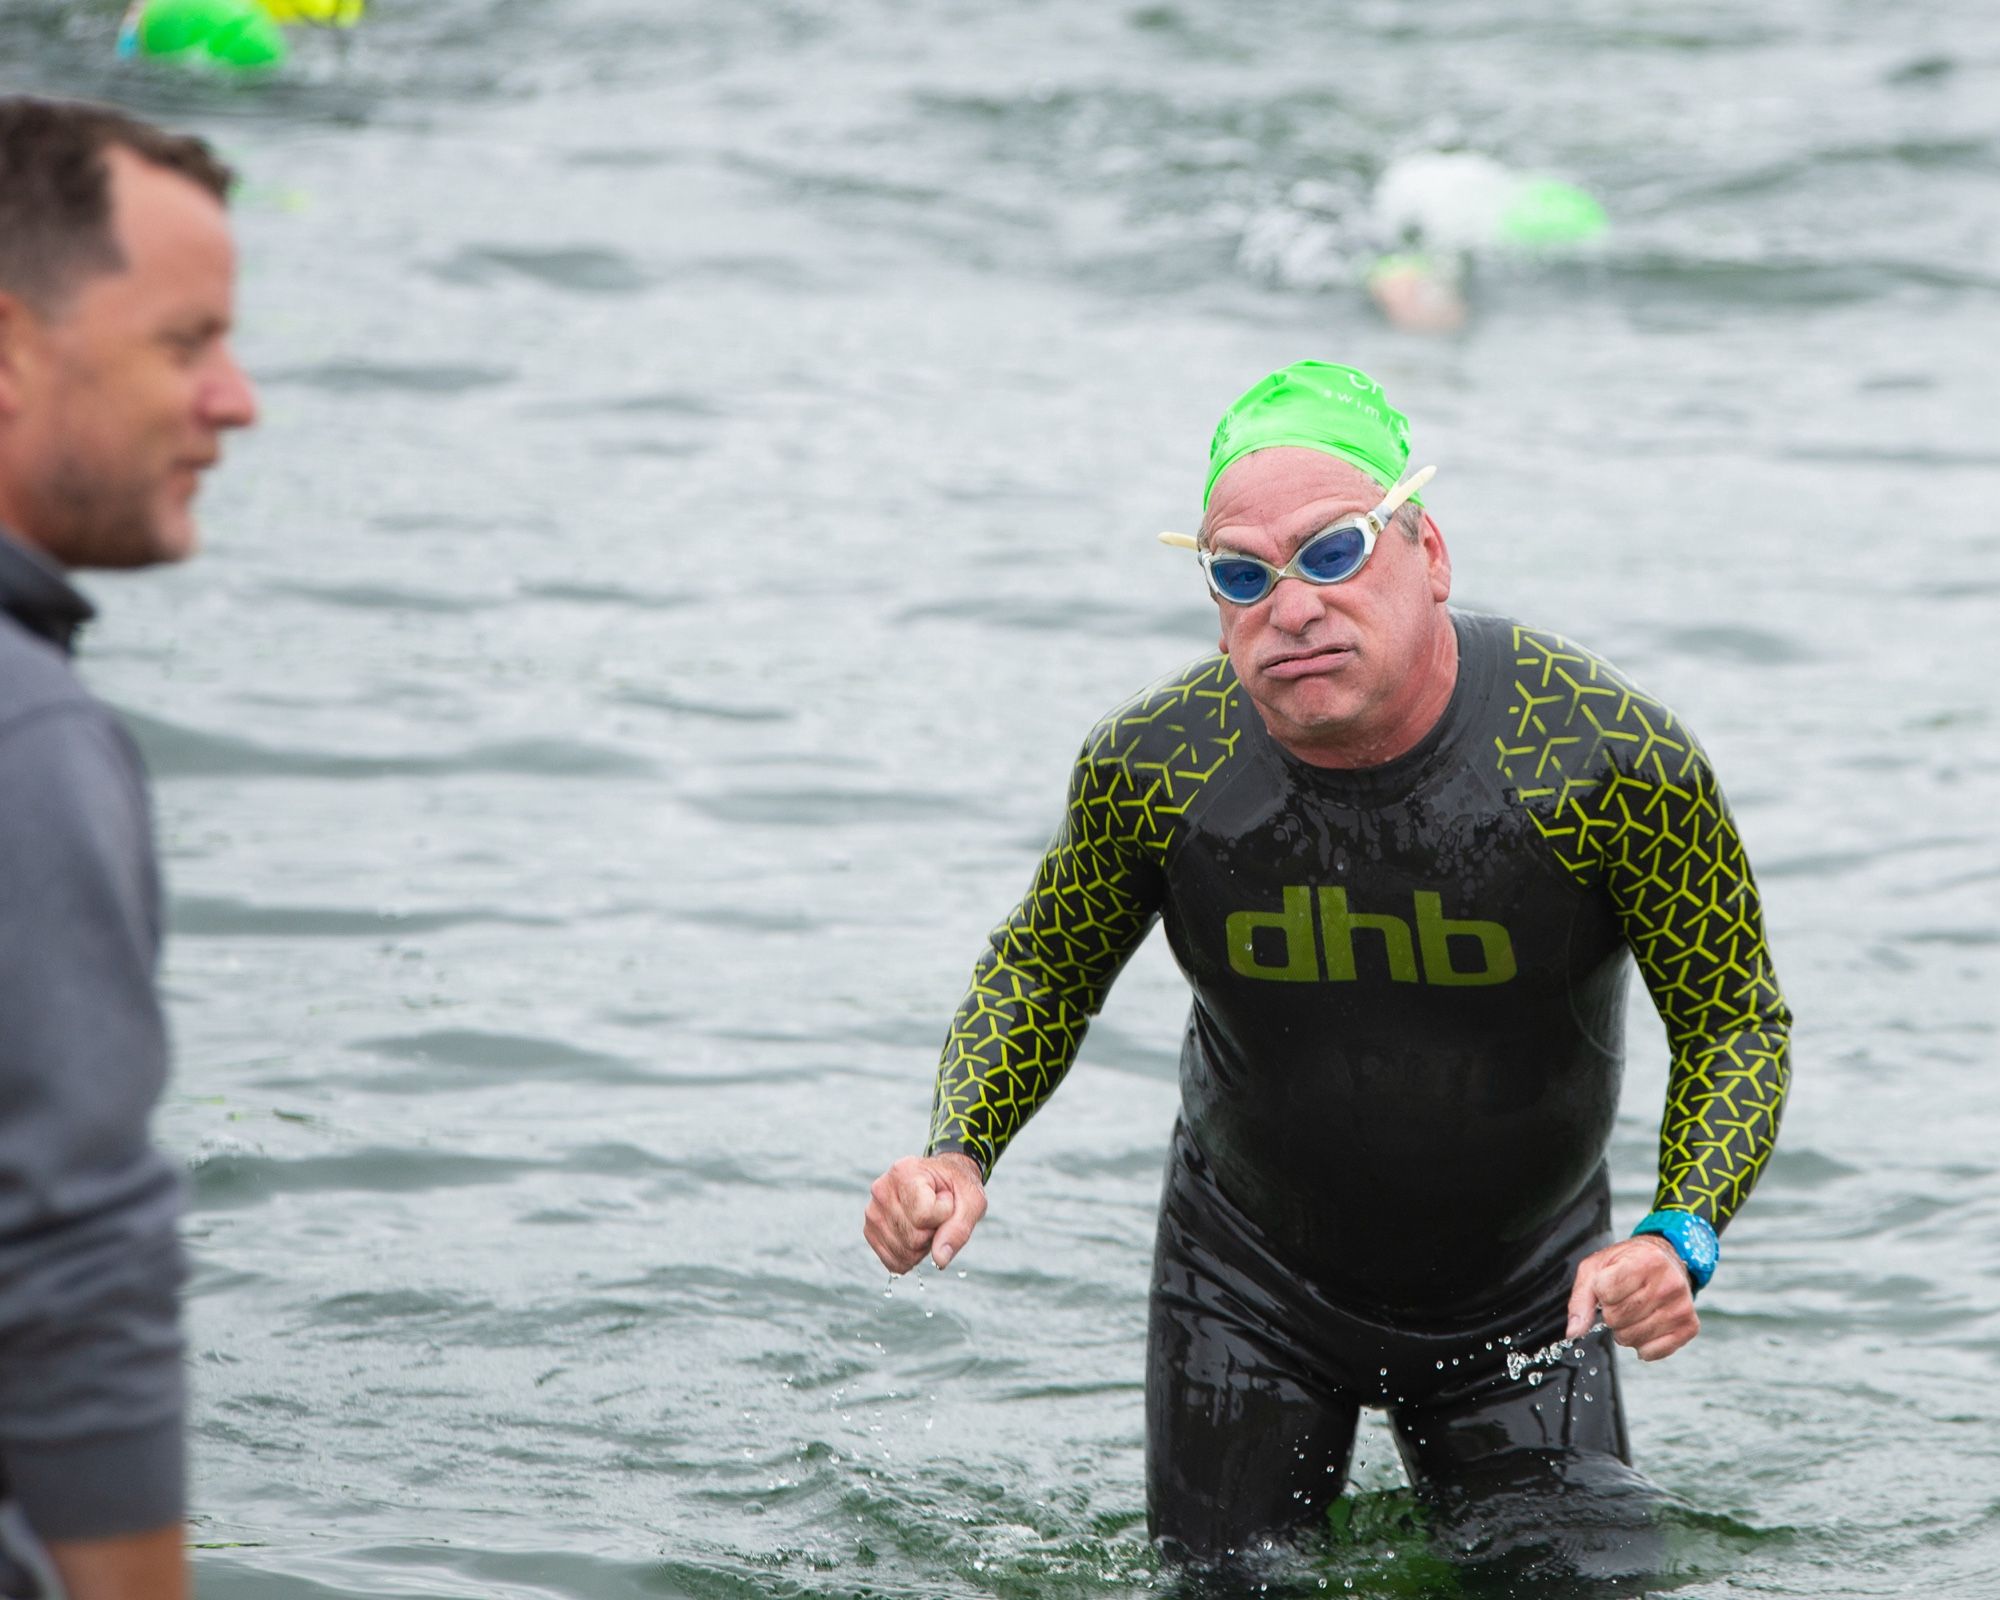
x,y
1533,1379
1440,1366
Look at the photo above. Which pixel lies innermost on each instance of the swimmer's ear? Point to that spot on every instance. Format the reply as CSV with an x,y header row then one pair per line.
x,y
13,328
1437,558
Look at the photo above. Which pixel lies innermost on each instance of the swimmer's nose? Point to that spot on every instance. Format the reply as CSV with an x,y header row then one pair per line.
x,y
229,399
1295,605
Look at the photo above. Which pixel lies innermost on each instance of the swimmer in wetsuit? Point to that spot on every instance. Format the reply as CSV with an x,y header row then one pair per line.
x,y
1402,855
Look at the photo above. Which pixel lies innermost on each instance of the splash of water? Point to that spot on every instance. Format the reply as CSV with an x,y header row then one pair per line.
x,y
1549,1355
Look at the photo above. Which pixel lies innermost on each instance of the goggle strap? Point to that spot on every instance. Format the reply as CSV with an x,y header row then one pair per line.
x,y
1392,502
1181,541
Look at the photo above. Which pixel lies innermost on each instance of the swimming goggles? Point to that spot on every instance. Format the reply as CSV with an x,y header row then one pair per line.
x,y
1332,555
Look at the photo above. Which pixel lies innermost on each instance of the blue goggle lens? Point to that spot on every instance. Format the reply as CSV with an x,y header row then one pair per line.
x,y
1240,582
1331,556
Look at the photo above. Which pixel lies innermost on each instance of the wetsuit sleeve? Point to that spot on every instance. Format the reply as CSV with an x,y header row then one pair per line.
x,y
1048,967
1689,908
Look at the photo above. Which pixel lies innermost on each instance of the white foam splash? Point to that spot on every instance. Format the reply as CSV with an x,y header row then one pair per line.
x,y
1548,1356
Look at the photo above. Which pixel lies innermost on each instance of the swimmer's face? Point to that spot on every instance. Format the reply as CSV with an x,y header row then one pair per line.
x,y
1348,673
116,400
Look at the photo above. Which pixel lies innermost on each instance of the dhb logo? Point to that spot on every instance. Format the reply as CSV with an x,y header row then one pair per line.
x,y
1289,952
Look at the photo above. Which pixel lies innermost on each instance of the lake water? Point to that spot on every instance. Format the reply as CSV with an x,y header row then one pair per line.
x,y
706,491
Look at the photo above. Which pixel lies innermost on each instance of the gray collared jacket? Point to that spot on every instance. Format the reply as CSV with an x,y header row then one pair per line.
x,y
91,1386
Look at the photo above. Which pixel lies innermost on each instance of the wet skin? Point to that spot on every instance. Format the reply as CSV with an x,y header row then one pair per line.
x,y
1346,674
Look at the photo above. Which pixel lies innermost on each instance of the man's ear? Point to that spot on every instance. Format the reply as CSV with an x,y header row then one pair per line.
x,y
17,326
1437,559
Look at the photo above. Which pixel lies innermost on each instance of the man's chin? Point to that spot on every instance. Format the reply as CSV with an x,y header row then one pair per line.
x,y
178,543
172,536
1320,702
1312,714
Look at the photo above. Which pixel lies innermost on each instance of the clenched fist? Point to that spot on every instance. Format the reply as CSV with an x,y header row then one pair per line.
x,y
1644,1292
924,1203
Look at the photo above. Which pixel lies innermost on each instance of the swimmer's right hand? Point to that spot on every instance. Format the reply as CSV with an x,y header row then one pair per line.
x,y
924,1204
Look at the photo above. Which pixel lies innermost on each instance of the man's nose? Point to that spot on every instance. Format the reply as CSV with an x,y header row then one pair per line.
x,y
228,399
1295,605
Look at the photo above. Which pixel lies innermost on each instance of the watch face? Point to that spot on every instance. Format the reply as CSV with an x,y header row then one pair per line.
x,y
1693,1240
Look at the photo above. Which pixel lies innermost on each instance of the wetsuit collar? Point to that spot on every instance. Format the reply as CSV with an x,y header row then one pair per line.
x,y
35,593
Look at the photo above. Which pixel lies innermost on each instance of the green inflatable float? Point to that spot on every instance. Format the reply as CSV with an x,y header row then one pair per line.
x,y
229,35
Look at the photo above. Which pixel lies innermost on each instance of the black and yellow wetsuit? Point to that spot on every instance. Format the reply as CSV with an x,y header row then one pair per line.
x,y
1402,1063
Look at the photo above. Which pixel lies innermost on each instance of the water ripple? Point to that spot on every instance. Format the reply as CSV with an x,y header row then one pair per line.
x,y
573,269
353,376
218,917
453,1054
176,751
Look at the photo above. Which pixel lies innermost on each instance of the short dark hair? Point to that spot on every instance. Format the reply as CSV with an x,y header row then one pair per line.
x,y
55,190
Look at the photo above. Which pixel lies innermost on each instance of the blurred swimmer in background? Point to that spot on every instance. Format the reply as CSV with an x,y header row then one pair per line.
x,y
1416,241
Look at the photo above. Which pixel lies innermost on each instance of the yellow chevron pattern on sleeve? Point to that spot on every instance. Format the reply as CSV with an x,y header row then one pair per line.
x,y
1094,897
1624,796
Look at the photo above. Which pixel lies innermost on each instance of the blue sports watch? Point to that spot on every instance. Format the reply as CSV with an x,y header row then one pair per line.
x,y
1693,1240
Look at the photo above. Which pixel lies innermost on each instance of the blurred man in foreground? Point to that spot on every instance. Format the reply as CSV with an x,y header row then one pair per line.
x,y
117,278
1405,856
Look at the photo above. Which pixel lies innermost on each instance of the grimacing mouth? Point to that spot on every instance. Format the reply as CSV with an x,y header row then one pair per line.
x,y
1309,653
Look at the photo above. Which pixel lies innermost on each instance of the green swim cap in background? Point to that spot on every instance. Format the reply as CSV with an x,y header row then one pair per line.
x,y
1339,410
1547,213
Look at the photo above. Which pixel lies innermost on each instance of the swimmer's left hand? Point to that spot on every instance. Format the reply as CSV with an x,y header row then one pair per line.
x,y
1644,1293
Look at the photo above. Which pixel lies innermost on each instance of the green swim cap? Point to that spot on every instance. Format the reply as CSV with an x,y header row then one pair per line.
x,y
236,35
1547,213
1339,410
